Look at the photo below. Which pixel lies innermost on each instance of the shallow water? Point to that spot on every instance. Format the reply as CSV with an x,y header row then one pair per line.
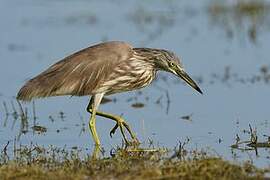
x,y
224,56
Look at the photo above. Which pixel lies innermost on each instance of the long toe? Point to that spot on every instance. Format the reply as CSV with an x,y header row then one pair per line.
x,y
123,133
133,136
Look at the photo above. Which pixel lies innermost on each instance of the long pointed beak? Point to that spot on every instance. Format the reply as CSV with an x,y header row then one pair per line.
x,y
183,75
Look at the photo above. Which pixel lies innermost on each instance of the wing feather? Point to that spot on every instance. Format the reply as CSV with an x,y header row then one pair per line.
x,y
79,74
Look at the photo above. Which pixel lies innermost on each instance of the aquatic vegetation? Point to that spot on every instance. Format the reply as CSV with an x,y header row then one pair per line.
x,y
238,16
57,163
252,144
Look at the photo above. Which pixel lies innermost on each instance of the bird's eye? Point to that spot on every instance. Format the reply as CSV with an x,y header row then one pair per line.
x,y
171,64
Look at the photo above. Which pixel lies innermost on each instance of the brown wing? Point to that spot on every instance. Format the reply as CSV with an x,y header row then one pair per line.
x,y
78,74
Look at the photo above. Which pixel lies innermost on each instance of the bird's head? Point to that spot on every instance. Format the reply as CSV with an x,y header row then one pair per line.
x,y
168,61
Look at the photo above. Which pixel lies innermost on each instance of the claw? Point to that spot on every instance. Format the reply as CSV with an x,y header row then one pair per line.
x,y
122,124
113,130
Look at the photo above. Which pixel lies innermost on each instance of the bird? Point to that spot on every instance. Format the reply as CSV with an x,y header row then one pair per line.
x,y
104,69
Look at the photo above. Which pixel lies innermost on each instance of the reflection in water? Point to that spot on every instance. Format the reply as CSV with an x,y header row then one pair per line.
x,y
34,113
247,16
24,120
6,114
82,125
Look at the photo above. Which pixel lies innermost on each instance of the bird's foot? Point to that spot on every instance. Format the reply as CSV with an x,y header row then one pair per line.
x,y
122,124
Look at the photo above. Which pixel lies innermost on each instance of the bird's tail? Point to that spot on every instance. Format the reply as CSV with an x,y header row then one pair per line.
x,y
32,89
26,93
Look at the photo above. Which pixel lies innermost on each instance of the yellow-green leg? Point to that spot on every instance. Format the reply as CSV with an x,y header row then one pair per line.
x,y
96,152
92,126
94,103
120,122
